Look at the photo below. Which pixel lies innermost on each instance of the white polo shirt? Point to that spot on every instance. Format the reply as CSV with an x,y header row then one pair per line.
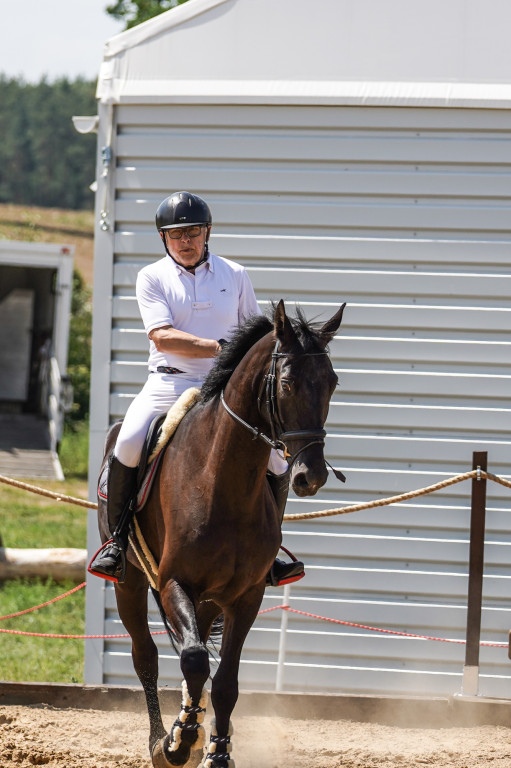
x,y
208,304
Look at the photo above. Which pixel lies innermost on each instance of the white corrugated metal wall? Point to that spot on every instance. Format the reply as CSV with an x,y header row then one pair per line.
x,y
404,214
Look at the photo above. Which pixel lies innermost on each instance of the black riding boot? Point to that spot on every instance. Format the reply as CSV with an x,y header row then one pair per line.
x,y
281,572
110,561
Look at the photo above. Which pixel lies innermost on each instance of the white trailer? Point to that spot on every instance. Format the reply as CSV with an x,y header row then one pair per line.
x,y
36,281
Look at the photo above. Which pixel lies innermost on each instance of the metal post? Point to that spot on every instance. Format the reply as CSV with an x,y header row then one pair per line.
x,y
475,577
282,640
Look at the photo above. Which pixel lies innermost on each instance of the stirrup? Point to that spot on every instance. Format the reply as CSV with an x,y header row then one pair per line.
x,y
114,571
282,573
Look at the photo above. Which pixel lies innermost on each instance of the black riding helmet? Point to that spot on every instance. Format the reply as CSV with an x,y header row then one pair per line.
x,y
182,209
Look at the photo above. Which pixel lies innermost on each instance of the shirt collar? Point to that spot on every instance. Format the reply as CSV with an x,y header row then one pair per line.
x,y
209,264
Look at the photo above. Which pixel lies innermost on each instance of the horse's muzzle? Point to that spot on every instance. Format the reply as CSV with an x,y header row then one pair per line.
x,y
306,481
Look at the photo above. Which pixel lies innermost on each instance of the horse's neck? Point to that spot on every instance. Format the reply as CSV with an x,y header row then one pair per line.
x,y
241,396
246,384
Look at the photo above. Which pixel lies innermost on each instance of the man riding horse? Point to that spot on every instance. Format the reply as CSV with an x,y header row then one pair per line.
x,y
190,301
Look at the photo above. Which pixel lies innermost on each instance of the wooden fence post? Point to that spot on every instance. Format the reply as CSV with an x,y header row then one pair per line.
x,y
475,577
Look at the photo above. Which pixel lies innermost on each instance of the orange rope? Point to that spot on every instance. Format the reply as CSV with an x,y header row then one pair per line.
x,y
265,610
49,602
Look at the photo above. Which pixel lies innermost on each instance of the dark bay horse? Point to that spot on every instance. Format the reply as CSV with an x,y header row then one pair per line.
x,y
211,521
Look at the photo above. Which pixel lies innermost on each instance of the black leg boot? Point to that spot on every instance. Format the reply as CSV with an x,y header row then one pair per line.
x,y
110,561
281,572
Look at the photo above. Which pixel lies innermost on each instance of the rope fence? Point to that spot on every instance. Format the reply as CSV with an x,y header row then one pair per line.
x,y
474,473
48,494
43,605
282,607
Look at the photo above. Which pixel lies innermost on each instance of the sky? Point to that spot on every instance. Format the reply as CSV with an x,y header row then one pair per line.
x,y
56,38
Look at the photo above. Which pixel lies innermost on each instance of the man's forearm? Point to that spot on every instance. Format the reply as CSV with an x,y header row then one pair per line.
x,y
171,340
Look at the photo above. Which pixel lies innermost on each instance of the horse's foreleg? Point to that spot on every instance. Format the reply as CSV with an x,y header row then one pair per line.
x,y
224,690
187,732
132,605
180,610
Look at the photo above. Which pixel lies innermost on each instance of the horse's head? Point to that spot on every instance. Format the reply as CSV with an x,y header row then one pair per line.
x,y
303,384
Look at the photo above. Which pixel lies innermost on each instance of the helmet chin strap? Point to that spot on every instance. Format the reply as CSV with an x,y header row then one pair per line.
x,y
202,259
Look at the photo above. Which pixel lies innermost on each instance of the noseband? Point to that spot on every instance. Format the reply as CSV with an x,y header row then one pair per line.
x,y
279,436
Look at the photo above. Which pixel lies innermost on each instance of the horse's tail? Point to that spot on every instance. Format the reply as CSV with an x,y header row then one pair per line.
x,y
215,635
217,628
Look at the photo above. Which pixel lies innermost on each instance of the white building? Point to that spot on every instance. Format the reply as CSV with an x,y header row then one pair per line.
x,y
353,152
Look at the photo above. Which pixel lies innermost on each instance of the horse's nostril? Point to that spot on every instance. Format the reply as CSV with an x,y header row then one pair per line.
x,y
300,480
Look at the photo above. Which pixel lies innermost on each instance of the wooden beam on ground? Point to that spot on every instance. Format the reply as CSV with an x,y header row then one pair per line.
x,y
402,711
58,564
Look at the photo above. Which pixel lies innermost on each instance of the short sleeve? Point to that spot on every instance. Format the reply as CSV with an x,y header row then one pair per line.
x,y
152,303
248,305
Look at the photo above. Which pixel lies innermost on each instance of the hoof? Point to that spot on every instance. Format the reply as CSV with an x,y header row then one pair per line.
x,y
195,759
169,754
158,756
186,734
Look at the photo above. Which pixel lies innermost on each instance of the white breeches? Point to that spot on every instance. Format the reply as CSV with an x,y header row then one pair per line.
x,y
159,393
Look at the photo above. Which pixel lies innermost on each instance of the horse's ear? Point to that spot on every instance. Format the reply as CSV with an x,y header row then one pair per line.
x,y
283,329
331,326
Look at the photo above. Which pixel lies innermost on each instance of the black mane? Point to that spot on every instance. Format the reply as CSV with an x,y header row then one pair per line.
x,y
244,338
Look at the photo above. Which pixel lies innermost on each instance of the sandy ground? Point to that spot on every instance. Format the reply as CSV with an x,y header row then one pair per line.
x,y
70,738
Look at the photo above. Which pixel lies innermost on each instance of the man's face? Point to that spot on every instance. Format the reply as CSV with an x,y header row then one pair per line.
x,y
186,250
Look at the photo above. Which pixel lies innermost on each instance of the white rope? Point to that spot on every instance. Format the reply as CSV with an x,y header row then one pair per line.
x,y
385,502
305,515
49,494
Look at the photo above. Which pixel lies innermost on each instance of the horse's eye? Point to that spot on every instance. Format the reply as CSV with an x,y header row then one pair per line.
x,y
286,386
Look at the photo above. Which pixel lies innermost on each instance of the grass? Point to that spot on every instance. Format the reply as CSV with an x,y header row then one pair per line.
x,y
74,451
52,225
28,520
41,659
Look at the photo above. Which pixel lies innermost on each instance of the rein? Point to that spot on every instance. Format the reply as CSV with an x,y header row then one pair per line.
x,y
256,432
279,436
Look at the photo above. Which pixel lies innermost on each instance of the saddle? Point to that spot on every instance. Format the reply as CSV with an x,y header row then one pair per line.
x,y
158,437
146,470
159,434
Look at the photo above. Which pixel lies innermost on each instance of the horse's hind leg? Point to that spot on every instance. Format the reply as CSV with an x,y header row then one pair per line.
x,y
187,732
132,605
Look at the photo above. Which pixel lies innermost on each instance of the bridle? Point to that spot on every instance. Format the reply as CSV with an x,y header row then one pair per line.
x,y
279,436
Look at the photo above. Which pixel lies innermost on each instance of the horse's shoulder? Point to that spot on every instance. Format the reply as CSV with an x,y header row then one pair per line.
x,y
192,421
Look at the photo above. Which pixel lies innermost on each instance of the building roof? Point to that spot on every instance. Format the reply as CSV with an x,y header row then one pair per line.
x,y
335,51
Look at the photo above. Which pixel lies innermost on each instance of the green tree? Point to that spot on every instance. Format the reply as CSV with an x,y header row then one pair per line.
x,y
15,147
134,12
79,352
43,160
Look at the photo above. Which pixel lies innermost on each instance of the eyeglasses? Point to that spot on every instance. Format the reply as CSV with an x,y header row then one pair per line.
x,y
177,234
